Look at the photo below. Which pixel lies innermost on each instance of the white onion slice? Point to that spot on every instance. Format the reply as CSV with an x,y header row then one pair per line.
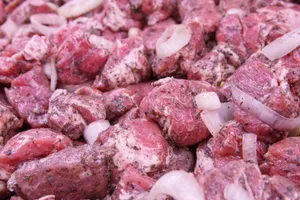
x,y
263,112
178,184
92,131
53,77
101,42
283,45
9,27
249,147
47,69
172,40
236,191
207,101
76,8
36,2
40,21
236,11
216,119
134,32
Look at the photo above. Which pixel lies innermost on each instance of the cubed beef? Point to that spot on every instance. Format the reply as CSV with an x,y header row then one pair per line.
x,y
173,65
126,65
157,10
130,115
234,174
34,143
203,12
140,91
70,113
9,122
133,184
78,65
216,66
151,34
139,142
116,15
72,173
172,105
282,159
4,192
29,95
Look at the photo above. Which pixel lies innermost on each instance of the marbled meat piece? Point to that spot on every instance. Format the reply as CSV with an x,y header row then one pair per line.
x,y
72,173
128,64
71,113
172,105
29,94
31,144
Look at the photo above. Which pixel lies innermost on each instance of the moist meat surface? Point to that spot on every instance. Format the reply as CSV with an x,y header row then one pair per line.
x,y
102,99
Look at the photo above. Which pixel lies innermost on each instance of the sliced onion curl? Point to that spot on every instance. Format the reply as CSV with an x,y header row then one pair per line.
x,y
172,40
36,2
9,27
53,75
207,101
134,32
283,45
263,112
180,185
236,191
76,8
92,131
236,11
40,21
249,147
101,43
216,119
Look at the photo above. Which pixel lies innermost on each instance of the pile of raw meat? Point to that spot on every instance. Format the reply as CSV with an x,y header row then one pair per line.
x,y
150,99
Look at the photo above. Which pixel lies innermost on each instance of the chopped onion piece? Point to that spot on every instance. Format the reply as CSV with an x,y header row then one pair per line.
x,y
236,11
216,119
263,112
9,27
172,40
283,45
101,42
47,69
134,32
38,21
53,76
36,2
92,131
236,191
208,101
249,147
178,184
76,8
52,6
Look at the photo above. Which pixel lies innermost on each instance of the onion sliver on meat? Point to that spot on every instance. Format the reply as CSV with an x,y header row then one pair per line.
x,y
76,8
92,131
249,147
283,45
40,21
180,185
216,119
263,112
207,101
236,191
172,40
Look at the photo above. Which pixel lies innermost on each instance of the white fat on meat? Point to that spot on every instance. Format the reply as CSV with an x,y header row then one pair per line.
x,y
130,151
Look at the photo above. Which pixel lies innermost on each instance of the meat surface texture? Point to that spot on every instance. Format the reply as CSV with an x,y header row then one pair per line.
x,y
171,104
83,168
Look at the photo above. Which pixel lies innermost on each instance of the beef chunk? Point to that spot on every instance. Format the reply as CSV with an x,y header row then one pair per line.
x,y
235,173
29,95
191,52
127,65
73,173
34,143
282,159
4,192
172,105
78,65
133,184
70,113
139,142
204,13
140,91
151,34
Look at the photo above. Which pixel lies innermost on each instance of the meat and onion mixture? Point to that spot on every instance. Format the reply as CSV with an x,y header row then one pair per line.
x,y
149,99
